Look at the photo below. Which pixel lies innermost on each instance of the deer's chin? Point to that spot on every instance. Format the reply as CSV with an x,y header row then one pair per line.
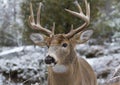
x,y
52,64
58,68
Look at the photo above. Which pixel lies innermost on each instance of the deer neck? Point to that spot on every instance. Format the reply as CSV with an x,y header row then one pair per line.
x,y
68,76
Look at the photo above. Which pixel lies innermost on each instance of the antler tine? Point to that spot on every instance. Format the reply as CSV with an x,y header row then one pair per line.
x,y
71,27
79,7
53,29
81,15
87,8
32,14
38,13
37,25
31,17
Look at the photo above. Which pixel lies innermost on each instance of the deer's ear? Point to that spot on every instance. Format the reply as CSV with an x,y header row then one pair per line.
x,y
38,39
83,36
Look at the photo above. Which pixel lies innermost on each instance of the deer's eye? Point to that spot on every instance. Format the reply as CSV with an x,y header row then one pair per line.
x,y
64,45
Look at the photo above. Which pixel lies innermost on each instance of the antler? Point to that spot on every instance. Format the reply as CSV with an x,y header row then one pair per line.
x,y
81,15
37,25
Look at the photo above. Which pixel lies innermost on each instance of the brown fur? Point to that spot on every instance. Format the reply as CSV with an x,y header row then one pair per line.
x,y
55,40
79,71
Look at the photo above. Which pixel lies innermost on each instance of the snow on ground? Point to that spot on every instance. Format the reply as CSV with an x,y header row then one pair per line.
x,y
7,52
24,65
23,62
105,64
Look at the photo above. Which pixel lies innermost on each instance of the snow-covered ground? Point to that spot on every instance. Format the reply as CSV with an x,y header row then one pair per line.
x,y
25,66
23,63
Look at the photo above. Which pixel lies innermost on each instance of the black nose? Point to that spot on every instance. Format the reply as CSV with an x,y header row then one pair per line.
x,y
49,60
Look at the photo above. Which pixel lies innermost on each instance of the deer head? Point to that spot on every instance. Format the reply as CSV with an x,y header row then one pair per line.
x,y
60,46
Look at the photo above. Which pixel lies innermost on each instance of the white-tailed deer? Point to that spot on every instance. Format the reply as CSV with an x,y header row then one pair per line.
x,y
65,67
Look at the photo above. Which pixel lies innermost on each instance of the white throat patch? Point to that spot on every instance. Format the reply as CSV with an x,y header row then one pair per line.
x,y
59,68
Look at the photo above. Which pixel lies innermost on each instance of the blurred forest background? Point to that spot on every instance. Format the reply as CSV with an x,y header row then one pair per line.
x,y
21,63
14,29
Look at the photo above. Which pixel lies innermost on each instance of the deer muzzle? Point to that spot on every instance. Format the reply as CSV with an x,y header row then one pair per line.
x,y
50,60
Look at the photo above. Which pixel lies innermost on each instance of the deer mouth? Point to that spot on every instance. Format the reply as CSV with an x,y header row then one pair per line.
x,y
53,64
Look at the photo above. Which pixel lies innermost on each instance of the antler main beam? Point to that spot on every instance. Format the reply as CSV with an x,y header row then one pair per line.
x,y
37,25
81,15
